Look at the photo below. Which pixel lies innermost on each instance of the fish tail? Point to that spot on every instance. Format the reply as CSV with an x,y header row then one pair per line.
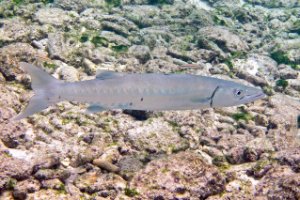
x,y
41,82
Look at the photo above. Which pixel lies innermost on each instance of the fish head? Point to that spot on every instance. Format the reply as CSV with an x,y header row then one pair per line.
x,y
235,94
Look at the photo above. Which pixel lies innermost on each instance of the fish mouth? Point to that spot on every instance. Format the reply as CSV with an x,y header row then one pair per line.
x,y
259,96
253,97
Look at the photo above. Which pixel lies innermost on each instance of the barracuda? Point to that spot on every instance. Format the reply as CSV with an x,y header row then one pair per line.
x,y
112,90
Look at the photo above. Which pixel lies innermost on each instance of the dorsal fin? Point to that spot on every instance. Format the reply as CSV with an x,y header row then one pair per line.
x,y
105,74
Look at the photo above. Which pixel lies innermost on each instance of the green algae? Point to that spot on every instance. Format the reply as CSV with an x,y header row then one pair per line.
x,y
131,192
261,164
282,58
18,1
99,41
282,83
268,90
119,48
49,65
234,55
84,38
113,3
242,115
160,2
62,189
11,183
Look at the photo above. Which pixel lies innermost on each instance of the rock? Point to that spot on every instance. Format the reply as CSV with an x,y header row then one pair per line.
x,y
12,134
78,5
156,137
14,30
92,182
228,141
45,174
89,67
68,73
89,18
249,152
54,16
100,55
22,188
282,119
182,175
117,24
115,38
11,54
276,3
156,37
49,194
141,52
60,46
260,145
288,73
142,15
290,157
48,162
257,69
179,54
236,155
14,168
106,165
129,166
224,39
279,183
158,65
260,169
55,184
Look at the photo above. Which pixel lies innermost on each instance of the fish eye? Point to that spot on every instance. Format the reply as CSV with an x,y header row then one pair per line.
x,y
238,92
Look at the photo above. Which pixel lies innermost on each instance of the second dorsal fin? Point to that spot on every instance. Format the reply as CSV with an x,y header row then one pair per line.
x,y
105,74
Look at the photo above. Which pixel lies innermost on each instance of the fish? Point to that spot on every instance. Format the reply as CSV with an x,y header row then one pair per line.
x,y
134,91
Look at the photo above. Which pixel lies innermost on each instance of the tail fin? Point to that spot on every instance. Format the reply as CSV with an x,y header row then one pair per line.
x,y
41,81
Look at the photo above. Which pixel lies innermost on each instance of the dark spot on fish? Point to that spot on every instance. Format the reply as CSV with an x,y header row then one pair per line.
x,y
142,99
59,97
130,103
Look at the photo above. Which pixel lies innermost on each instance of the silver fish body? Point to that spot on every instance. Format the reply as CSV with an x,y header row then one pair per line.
x,y
112,90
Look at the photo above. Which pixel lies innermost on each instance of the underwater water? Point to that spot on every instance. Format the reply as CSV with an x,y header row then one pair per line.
x,y
249,151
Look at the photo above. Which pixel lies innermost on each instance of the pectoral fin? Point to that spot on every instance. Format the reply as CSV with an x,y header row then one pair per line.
x,y
94,108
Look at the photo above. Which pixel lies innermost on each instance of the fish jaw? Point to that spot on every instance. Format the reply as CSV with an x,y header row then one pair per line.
x,y
254,94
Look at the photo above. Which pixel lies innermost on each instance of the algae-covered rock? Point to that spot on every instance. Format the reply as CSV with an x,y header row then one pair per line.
x,y
225,40
92,182
14,30
182,175
279,183
78,5
13,168
156,137
290,157
275,3
61,46
22,188
11,54
55,16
